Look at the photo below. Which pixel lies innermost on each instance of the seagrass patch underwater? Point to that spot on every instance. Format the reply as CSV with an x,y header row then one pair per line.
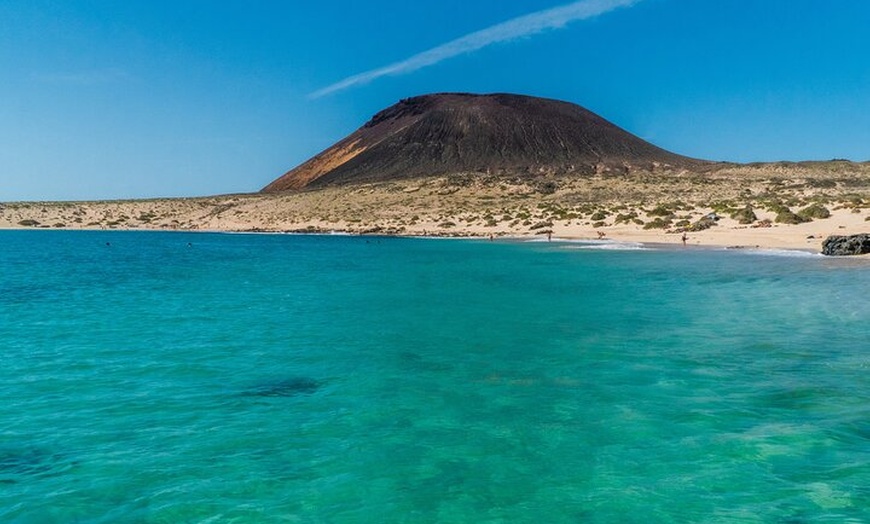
x,y
173,377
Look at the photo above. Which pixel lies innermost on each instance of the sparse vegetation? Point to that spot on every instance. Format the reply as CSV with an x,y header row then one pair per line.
x,y
498,205
547,187
745,215
824,183
661,210
814,211
704,223
786,216
658,223
625,218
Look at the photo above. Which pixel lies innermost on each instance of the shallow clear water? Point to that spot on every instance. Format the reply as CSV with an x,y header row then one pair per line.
x,y
342,379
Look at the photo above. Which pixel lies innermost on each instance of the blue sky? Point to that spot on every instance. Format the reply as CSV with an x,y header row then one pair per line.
x,y
110,99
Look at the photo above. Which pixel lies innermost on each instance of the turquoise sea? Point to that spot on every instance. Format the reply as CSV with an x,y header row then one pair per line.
x,y
217,378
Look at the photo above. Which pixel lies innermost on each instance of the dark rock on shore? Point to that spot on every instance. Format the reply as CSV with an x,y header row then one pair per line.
x,y
836,245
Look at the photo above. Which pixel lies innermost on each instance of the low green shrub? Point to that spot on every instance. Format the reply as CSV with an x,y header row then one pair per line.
x,y
624,218
814,211
785,216
658,223
744,216
661,210
702,224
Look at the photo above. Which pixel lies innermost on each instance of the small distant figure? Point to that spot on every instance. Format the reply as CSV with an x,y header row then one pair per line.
x,y
491,238
601,234
549,236
189,244
109,244
685,238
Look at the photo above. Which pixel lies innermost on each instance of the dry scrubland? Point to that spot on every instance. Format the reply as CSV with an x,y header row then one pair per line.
x,y
769,205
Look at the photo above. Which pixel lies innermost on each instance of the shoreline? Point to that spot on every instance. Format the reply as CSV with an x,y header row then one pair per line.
x,y
743,207
616,244
789,238
580,244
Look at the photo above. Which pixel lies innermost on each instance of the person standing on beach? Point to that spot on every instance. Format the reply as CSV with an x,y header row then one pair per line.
x,y
685,238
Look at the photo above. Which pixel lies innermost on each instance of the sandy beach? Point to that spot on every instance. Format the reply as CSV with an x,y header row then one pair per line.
x,y
775,206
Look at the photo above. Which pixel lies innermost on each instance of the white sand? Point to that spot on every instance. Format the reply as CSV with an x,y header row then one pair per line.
x,y
441,207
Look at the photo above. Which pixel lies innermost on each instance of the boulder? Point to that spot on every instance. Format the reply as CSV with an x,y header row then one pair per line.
x,y
836,245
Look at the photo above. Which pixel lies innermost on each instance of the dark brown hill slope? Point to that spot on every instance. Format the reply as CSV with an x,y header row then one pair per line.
x,y
441,134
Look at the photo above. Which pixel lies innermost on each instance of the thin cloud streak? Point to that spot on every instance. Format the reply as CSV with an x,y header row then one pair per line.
x,y
526,25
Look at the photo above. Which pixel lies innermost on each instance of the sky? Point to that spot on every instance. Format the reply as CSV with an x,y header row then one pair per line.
x,y
106,99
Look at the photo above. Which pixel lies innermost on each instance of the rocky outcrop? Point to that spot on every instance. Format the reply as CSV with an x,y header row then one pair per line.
x,y
836,245
499,134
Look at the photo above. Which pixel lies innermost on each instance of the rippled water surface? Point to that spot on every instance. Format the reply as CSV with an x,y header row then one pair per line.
x,y
248,378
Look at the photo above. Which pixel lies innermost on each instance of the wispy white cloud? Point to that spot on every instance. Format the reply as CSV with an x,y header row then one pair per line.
x,y
526,25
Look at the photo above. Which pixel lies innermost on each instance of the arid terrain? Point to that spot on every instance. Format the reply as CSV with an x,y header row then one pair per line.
x,y
458,164
775,205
